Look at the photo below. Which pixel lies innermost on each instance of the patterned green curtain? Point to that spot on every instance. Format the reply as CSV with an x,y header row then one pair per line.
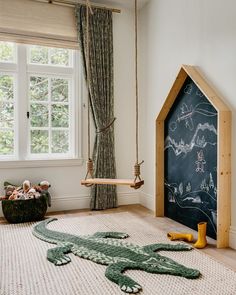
x,y
101,98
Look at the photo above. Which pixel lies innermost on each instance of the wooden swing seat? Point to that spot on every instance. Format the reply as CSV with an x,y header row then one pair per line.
x,y
130,182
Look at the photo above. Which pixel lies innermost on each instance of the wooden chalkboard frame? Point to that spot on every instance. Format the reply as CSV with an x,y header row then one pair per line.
x,y
223,150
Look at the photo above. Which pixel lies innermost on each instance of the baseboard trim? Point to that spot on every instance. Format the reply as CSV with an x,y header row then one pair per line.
x,y
232,237
69,203
64,203
128,198
147,201
83,202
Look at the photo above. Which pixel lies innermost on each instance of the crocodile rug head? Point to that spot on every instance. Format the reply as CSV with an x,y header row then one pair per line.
x,y
24,270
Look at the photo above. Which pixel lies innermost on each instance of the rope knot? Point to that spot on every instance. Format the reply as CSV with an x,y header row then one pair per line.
x,y
137,169
89,164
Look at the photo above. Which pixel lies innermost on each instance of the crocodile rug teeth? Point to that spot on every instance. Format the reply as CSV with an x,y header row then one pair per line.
x,y
24,269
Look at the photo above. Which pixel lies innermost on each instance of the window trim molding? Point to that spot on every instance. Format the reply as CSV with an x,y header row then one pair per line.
x,y
8,164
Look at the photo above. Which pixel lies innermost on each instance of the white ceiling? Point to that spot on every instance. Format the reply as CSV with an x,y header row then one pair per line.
x,y
120,3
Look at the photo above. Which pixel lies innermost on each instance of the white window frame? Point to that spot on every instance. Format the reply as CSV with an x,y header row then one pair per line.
x,y
22,69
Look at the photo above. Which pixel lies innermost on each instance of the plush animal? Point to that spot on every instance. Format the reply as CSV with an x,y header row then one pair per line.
x,y
21,196
14,195
9,190
30,193
26,186
44,185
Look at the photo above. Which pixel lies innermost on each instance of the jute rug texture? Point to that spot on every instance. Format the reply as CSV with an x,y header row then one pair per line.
x,y
24,269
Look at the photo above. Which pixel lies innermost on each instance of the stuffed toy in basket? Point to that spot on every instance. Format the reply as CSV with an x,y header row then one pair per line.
x,y
25,203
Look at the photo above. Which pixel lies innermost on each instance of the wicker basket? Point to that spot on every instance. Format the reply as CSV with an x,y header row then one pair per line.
x,y
16,211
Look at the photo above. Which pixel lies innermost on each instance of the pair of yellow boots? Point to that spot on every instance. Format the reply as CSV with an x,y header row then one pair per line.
x,y
201,241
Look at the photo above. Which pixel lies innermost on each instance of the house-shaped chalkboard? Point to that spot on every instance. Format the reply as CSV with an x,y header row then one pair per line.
x,y
193,156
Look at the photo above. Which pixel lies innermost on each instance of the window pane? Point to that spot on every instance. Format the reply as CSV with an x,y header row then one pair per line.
x,y
6,142
59,90
6,114
39,88
38,55
39,141
6,87
6,52
59,56
38,115
60,141
60,115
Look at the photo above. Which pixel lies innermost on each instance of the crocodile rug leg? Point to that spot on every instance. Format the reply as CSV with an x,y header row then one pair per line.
x,y
166,247
114,274
57,255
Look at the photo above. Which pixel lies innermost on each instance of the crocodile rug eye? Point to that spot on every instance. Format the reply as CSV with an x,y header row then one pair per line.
x,y
105,248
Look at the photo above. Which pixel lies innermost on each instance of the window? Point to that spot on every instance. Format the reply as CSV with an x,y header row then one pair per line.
x,y
39,105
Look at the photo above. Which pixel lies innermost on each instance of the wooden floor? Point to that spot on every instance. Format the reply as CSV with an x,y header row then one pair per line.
x,y
225,256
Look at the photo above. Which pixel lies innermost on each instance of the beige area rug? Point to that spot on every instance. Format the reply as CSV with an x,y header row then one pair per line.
x,y
24,269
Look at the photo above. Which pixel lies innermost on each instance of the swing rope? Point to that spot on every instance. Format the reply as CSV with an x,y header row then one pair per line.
x,y
137,164
89,162
137,178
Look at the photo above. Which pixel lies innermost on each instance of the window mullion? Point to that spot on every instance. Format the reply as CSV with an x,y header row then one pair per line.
x,y
22,102
50,70
8,67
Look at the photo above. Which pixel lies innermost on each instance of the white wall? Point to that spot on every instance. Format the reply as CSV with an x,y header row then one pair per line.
x,y
67,193
195,32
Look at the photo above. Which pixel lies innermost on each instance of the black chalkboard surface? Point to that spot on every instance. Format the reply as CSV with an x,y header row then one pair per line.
x,y
191,159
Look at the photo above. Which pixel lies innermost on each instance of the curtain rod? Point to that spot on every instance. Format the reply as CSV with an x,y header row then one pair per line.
x,y
73,3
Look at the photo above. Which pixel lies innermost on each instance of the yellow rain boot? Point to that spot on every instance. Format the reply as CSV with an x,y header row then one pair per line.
x,y
180,236
201,241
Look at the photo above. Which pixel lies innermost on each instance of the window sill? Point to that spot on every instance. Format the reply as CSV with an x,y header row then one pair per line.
x,y
40,163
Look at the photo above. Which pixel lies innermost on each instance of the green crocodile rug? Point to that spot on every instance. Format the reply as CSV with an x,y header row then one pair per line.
x,y
24,269
105,248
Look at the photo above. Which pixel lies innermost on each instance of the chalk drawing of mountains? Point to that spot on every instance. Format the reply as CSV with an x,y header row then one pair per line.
x,y
199,139
196,199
